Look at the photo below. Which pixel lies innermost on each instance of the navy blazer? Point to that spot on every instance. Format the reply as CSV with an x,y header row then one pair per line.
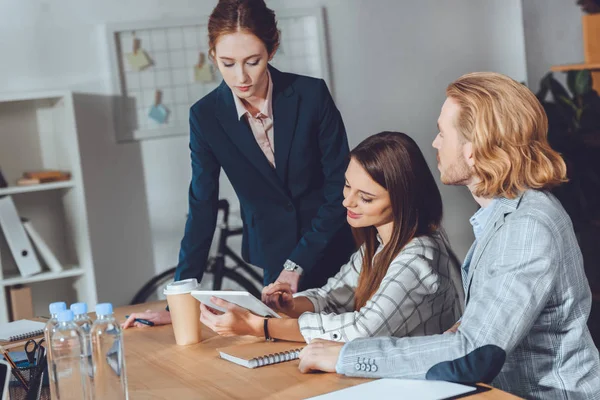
x,y
293,211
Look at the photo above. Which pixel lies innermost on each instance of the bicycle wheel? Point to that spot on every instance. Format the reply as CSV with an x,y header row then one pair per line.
x,y
232,280
149,292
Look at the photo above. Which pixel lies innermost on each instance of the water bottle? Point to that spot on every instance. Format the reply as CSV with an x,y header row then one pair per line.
x,y
71,380
83,320
55,308
50,327
81,317
110,377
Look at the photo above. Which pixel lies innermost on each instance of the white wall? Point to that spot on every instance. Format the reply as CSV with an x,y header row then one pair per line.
x,y
390,59
552,37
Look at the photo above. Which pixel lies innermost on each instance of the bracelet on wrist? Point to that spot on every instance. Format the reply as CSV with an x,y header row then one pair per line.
x,y
266,330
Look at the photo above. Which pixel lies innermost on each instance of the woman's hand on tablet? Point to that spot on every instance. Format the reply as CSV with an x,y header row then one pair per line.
x,y
234,322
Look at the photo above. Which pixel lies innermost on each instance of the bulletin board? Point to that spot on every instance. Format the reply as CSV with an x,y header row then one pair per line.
x,y
161,68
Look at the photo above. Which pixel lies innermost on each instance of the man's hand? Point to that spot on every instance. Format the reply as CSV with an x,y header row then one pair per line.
x,y
158,317
235,321
290,277
320,355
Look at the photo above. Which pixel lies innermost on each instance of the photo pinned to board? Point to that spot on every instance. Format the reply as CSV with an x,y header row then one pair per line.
x,y
203,71
138,59
158,112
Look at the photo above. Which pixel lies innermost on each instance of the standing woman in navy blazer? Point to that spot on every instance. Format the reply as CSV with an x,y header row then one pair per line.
x,y
281,141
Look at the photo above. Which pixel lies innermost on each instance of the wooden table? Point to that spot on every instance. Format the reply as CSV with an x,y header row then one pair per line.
x,y
157,368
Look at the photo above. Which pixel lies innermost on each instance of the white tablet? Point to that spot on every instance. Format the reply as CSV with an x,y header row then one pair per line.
x,y
241,298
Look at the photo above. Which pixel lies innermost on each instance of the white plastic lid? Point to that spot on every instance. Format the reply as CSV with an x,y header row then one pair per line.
x,y
181,287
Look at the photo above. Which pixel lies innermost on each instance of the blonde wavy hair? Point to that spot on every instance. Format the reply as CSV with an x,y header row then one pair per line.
x,y
508,128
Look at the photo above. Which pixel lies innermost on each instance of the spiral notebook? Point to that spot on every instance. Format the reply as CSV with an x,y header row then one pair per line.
x,y
21,329
254,355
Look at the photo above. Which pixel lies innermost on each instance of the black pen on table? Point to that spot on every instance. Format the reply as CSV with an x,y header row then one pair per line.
x,y
142,321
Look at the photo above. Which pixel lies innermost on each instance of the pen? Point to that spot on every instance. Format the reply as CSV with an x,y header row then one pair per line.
x,y
15,369
142,321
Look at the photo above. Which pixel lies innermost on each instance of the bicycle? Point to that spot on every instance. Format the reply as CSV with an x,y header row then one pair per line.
x,y
217,275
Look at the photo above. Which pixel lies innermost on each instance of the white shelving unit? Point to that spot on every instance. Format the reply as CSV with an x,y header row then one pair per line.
x,y
35,188
39,131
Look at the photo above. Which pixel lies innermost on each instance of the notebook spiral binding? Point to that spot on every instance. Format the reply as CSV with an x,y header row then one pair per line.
x,y
27,335
275,358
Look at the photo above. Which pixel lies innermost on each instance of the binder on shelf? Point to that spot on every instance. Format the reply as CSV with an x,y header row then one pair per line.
x,y
17,239
44,251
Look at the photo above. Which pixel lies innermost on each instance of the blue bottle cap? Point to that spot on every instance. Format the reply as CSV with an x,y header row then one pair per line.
x,y
57,307
79,308
104,309
65,316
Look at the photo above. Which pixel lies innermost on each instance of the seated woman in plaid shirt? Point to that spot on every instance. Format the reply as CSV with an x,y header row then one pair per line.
x,y
403,280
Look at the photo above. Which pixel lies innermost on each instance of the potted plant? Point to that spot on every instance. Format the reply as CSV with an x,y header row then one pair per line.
x,y
591,34
589,6
574,131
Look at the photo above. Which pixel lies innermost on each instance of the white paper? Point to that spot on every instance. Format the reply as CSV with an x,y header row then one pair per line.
x,y
399,389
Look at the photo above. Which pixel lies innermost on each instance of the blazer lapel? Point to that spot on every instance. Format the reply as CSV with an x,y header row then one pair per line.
x,y
285,114
241,135
495,222
464,270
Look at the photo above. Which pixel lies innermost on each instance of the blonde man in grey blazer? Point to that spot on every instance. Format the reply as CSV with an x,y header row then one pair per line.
x,y
527,297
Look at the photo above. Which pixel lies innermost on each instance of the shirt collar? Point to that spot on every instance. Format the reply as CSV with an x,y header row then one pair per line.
x,y
480,218
267,108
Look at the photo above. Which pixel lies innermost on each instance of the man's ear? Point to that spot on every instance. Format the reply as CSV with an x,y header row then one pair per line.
x,y
468,154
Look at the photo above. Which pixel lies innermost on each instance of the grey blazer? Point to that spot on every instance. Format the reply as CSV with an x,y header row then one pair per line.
x,y
524,326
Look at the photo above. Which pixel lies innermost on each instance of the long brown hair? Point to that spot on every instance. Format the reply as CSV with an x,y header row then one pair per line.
x,y
509,130
253,16
394,161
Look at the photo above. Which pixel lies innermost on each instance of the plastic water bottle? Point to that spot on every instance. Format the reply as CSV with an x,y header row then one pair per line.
x,y
55,308
83,320
110,376
50,327
71,380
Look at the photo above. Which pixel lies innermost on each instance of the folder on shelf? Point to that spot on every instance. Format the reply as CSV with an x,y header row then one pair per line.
x,y
17,239
44,251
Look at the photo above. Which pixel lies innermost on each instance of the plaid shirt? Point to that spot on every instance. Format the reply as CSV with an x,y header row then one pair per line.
x,y
524,326
421,294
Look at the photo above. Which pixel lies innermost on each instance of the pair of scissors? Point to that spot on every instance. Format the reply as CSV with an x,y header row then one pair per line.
x,y
34,350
